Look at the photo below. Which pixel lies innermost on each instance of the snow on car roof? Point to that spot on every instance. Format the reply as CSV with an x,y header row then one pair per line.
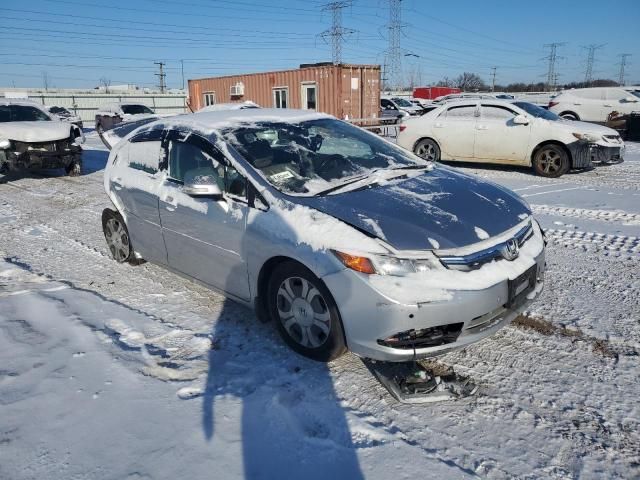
x,y
210,122
229,106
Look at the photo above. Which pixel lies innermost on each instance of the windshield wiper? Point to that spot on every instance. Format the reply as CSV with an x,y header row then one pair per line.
x,y
340,186
412,167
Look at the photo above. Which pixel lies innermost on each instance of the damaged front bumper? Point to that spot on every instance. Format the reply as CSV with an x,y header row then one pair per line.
x,y
26,156
585,154
380,329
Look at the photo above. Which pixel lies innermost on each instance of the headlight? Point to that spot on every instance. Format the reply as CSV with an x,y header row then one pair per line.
x,y
588,137
4,144
388,265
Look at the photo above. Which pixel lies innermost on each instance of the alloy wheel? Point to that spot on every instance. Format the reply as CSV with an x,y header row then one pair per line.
x,y
550,161
303,312
427,151
117,239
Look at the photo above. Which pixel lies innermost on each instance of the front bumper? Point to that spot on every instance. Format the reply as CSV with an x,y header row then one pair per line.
x,y
586,154
40,159
369,317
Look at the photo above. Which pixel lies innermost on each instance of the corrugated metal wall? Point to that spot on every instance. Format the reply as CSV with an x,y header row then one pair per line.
x,y
345,91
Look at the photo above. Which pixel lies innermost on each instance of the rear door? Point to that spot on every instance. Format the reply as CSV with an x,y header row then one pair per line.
x,y
498,138
135,181
454,130
590,104
204,237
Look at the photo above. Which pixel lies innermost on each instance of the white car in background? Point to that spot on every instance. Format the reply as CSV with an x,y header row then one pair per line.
x,y
509,133
594,104
65,115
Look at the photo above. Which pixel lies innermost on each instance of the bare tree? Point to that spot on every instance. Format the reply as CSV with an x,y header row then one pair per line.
x,y
45,80
469,82
106,83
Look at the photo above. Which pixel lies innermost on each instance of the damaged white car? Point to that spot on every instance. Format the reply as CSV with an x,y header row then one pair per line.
x,y
509,133
31,138
342,239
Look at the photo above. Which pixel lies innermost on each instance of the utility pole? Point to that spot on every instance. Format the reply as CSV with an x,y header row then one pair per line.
x,y
553,57
182,71
493,78
337,32
623,64
161,75
591,54
394,52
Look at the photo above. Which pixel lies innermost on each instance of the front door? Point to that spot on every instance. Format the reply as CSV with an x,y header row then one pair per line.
x,y
498,138
309,96
454,130
204,236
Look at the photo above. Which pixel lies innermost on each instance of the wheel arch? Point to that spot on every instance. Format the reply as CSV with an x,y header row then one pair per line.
x,y
551,142
569,112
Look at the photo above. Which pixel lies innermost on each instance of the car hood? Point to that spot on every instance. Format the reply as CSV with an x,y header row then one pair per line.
x,y
439,209
584,127
34,131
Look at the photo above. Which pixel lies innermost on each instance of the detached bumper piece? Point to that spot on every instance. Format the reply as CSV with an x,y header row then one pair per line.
x,y
412,382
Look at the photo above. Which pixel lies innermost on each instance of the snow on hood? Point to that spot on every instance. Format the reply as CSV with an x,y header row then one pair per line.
x,y
442,207
35,131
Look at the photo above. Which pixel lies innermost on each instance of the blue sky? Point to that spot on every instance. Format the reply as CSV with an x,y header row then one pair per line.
x,y
76,42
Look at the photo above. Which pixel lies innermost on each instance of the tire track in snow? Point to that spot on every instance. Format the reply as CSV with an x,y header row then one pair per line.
x,y
599,242
591,214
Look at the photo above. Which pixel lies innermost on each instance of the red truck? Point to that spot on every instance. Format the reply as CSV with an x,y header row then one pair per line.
x,y
431,93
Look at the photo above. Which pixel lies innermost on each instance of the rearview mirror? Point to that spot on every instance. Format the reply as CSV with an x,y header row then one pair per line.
x,y
202,182
520,120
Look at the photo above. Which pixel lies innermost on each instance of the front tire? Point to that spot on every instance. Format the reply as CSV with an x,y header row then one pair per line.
x,y
117,236
551,161
427,149
305,313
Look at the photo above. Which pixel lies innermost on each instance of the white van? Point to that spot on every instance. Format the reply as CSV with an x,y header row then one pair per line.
x,y
594,104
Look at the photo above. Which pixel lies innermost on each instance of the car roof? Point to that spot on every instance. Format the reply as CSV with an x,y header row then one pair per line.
x,y
208,123
474,101
23,102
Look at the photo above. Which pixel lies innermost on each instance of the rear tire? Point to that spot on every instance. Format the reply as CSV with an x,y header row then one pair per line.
x,y
305,313
427,149
551,161
117,236
570,116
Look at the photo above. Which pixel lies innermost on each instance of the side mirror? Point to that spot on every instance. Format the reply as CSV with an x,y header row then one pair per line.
x,y
520,120
202,182
631,99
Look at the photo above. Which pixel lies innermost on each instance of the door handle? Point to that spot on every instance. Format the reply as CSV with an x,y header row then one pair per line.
x,y
577,104
171,208
439,125
482,127
607,105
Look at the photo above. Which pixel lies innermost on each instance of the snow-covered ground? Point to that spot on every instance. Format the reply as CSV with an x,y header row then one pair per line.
x,y
120,372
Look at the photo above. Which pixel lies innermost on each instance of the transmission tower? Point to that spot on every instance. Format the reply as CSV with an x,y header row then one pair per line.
x,y
337,32
591,54
552,75
161,76
623,64
394,53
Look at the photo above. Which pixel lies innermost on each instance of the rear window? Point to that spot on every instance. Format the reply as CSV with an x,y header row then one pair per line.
x,y
136,109
22,113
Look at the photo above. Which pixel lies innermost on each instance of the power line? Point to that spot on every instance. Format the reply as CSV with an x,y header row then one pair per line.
x,y
623,64
337,32
591,53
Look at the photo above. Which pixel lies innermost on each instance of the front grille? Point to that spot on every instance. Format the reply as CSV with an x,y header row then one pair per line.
x,y
475,260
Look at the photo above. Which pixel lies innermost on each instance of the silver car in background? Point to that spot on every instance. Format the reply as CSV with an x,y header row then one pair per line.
x,y
341,238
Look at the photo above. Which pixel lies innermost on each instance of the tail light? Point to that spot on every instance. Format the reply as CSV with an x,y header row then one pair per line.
x,y
402,128
553,104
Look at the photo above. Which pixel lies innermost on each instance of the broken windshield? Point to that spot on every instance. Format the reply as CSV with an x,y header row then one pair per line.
x,y
316,155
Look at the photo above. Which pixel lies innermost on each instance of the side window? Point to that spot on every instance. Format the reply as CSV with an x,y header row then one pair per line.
x,y
145,156
591,94
616,94
465,112
490,112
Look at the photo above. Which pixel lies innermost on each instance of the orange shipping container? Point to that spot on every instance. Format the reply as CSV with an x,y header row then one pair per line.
x,y
345,91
